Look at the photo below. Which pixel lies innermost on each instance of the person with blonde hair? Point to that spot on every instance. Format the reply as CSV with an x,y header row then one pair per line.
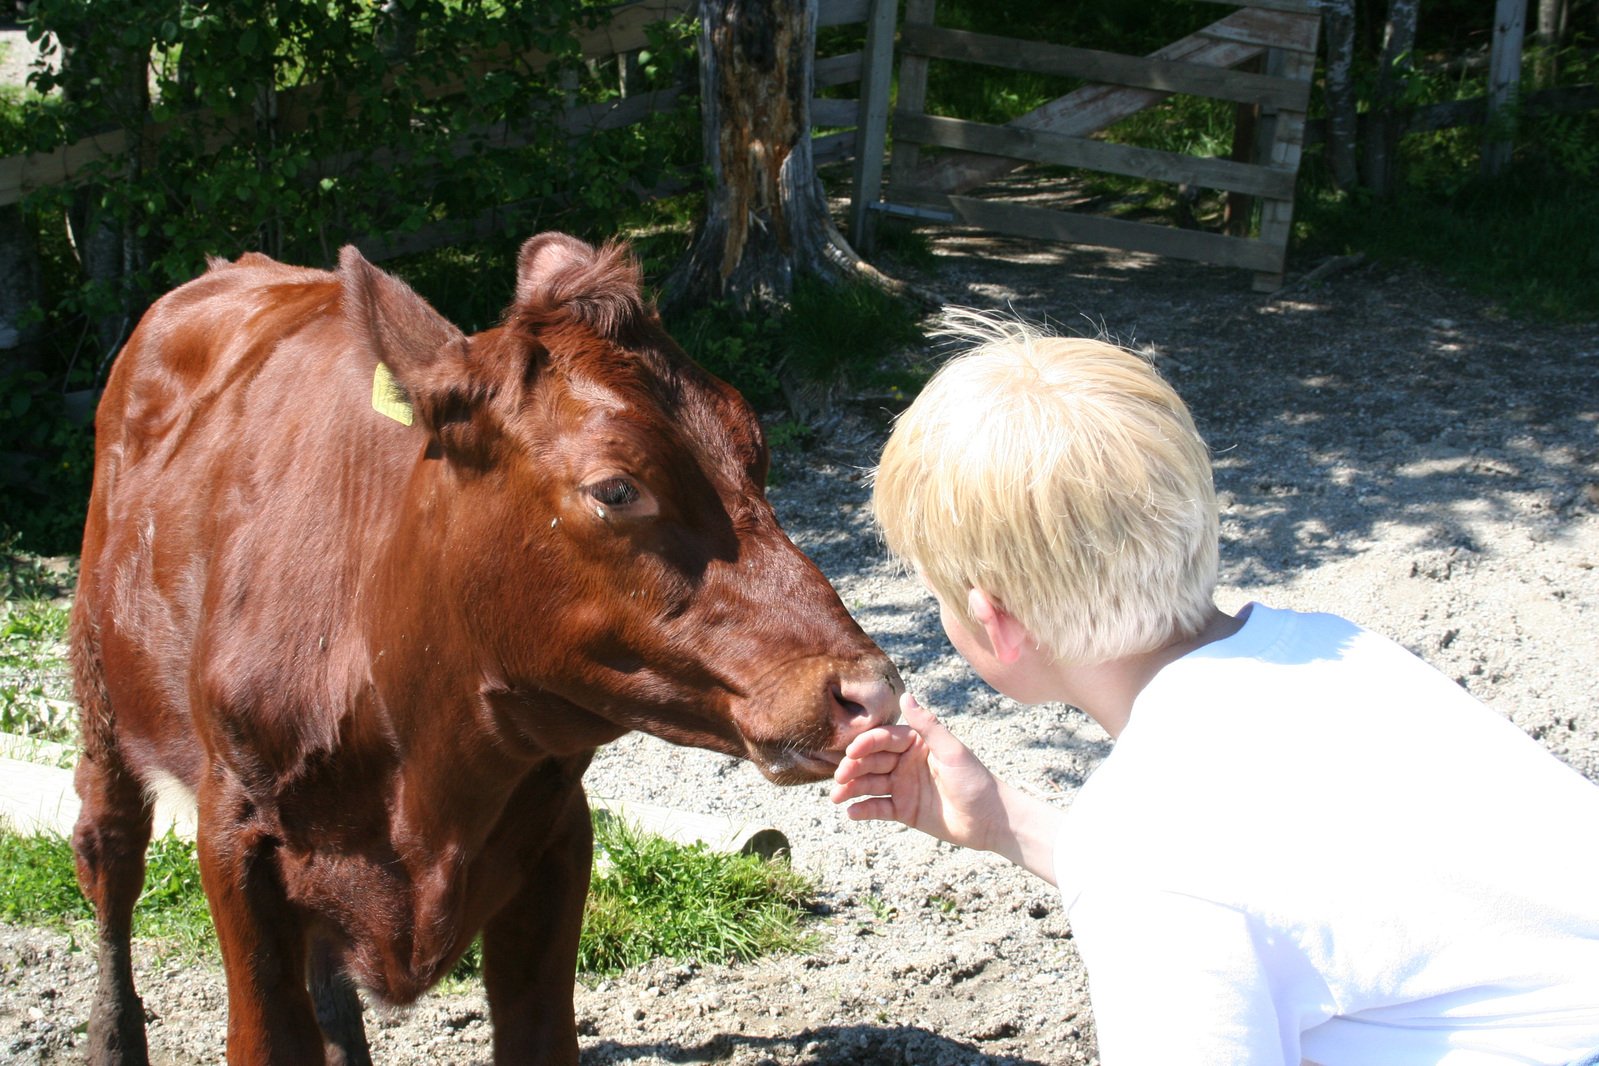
x,y
1306,845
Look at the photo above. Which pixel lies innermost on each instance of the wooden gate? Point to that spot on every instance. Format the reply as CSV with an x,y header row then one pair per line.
x,y
1275,38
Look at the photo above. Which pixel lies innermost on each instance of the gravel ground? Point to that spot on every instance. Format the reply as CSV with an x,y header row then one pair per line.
x,y
1386,447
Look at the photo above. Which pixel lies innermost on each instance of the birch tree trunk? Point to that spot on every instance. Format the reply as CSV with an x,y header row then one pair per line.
x,y
1553,16
1338,22
1382,143
1504,85
766,217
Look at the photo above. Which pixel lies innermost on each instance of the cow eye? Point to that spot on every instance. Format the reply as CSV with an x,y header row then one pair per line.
x,y
614,492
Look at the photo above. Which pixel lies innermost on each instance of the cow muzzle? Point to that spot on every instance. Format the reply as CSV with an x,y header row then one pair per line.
x,y
826,710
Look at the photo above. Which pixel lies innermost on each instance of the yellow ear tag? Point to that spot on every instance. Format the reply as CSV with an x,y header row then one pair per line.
x,y
389,399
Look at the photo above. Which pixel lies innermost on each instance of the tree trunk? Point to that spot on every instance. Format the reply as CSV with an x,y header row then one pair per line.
x,y
1553,16
19,291
1504,86
1338,21
766,220
1382,143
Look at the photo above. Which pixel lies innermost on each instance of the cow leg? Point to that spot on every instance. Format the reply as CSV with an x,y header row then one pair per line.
x,y
109,841
338,1008
530,946
271,1021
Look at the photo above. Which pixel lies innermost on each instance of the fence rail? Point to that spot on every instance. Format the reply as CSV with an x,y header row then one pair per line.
x,y
1476,111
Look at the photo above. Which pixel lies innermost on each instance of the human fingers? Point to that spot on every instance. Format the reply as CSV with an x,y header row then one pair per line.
x,y
859,787
876,808
877,762
915,715
883,738
939,740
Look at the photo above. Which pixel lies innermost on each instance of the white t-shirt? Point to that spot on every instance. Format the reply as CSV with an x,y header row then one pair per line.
x,y
1309,844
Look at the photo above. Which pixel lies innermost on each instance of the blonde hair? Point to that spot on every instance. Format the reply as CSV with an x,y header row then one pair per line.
x,y
1064,478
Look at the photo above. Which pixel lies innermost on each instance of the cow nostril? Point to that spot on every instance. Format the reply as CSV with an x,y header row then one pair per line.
x,y
850,716
859,706
851,709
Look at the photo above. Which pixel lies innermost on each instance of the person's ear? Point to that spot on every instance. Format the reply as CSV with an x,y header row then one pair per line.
x,y
1006,635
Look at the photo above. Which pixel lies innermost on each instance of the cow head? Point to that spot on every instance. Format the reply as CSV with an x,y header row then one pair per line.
x,y
607,542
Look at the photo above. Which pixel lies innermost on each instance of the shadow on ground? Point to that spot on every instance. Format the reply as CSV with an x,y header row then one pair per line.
x,y
831,1045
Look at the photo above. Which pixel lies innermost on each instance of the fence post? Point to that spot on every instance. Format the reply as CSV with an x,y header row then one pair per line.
x,y
1504,80
1283,135
912,94
871,129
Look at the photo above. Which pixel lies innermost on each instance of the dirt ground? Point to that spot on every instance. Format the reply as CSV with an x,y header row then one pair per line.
x,y
1386,447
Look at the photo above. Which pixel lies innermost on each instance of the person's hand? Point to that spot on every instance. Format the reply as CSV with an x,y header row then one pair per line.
x,y
920,774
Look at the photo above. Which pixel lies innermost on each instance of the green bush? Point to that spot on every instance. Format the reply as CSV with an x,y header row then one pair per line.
x,y
35,687
372,136
48,450
35,684
1527,241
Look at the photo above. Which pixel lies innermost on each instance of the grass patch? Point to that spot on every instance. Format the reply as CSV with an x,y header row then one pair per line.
x,y
830,334
833,332
649,898
37,882
652,898
39,887
1528,240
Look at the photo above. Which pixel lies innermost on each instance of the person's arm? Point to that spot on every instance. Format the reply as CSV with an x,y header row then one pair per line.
x,y
921,775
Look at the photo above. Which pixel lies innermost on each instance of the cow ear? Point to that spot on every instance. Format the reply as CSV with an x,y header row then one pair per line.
x,y
427,356
544,260
559,276
397,326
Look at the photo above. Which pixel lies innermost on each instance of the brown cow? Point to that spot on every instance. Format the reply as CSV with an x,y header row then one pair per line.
x,y
381,654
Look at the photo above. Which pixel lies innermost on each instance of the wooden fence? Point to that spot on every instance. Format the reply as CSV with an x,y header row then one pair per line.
x,y
1277,35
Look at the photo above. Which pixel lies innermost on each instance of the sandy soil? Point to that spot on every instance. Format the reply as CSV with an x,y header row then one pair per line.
x,y
1387,448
